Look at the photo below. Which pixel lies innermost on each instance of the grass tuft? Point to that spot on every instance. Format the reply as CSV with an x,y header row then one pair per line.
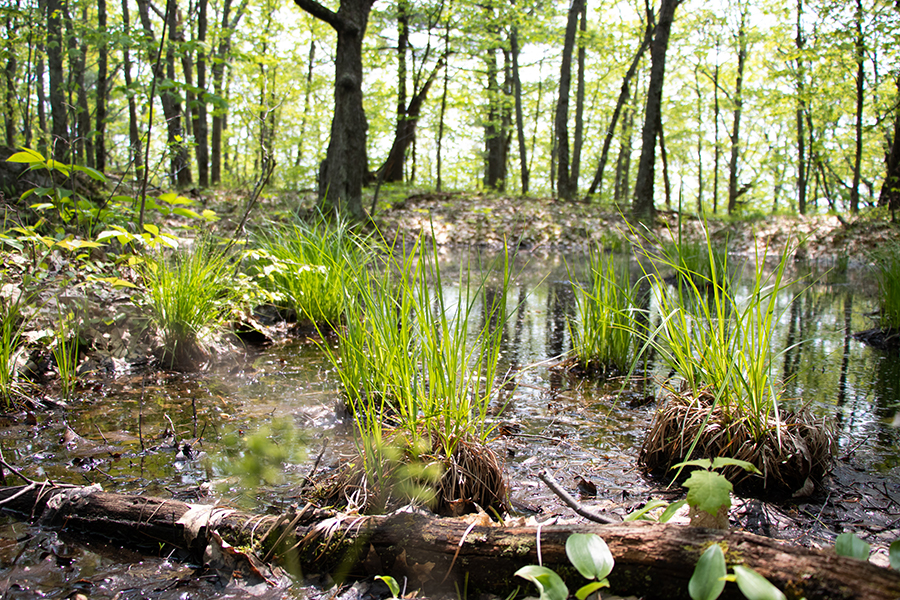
x,y
887,273
12,325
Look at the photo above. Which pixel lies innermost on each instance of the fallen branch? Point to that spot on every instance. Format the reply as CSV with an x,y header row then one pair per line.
x,y
585,512
652,560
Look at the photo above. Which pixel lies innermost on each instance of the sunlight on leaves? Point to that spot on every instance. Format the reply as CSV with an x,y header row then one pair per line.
x,y
754,586
550,585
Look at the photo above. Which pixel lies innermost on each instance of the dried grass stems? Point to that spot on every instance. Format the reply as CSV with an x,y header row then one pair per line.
x,y
794,450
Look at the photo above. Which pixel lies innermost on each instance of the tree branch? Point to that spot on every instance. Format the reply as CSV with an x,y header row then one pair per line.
x,y
321,13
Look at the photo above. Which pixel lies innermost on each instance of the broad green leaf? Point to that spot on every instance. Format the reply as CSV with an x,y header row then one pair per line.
x,y
151,228
186,212
754,586
209,215
391,583
42,206
848,544
114,281
708,579
116,232
172,198
590,555
550,585
27,155
72,244
703,463
671,510
894,555
708,491
641,512
586,590
92,173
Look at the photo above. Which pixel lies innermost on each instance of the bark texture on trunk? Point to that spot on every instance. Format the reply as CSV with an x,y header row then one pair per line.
x,y
652,560
565,188
59,114
733,191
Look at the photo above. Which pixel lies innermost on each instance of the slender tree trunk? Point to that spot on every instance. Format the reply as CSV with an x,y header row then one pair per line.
x,y
738,99
623,163
85,131
860,56
307,95
520,119
102,60
624,96
219,64
564,188
802,169
667,185
717,150
134,136
10,102
172,108
201,115
643,207
443,111
39,84
578,142
58,111
494,133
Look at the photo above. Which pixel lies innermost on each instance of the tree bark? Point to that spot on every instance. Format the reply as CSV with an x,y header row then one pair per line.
x,y
859,56
520,118
652,560
222,58
10,72
578,142
134,136
624,96
890,187
102,92
83,130
59,114
802,169
345,167
738,99
564,186
643,208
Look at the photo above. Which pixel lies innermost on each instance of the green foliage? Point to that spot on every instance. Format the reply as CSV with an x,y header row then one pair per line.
x,y
603,327
189,296
643,513
259,458
65,350
851,546
391,583
589,554
887,273
306,267
708,490
894,555
710,575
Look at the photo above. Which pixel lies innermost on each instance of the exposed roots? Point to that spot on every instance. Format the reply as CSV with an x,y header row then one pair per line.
x,y
791,454
400,474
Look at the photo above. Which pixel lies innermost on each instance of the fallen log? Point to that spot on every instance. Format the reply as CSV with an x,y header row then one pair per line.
x,y
652,560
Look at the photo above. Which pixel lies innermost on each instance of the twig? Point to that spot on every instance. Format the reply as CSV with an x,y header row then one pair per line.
x,y
572,502
268,169
13,469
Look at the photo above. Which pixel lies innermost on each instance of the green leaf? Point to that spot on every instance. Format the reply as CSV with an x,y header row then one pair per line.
x,y
894,555
671,510
586,590
92,173
72,244
27,155
549,584
703,463
708,579
151,228
724,461
186,212
590,555
849,545
391,583
641,512
754,586
113,281
209,215
708,491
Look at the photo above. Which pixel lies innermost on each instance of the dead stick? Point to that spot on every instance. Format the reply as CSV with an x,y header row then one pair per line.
x,y
572,502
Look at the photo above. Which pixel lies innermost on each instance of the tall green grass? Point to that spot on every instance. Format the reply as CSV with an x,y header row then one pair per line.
x,y
720,344
887,273
418,364
189,296
12,325
305,267
603,327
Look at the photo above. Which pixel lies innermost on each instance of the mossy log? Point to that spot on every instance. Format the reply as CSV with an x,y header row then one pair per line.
x,y
652,560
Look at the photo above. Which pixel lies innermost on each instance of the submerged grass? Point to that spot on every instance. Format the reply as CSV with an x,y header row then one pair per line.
x,y
189,295
603,327
419,368
305,266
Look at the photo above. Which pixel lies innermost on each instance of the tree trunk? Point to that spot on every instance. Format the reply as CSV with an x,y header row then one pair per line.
x,y
623,163
345,166
651,560
520,118
733,191
664,155
443,110
717,150
495,139
100,117
564,186
624,96
890,187
802,169
172,109
307,95
134,136
10,71
860,56
578,142
39,84
59,114
643,208
201,116
700,134
83,112
220,62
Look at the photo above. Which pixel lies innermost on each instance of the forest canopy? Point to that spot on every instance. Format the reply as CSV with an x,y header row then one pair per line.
x,y
765,106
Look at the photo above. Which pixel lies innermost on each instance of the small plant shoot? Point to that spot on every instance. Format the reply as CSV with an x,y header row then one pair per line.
x,y
851,546
591,556
549,584
708,579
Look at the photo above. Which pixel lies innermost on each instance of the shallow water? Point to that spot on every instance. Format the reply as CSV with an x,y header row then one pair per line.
x,y
179,435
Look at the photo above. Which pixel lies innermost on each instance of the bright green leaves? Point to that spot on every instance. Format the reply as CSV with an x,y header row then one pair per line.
x,y
894,555
549,584
754,586
708,579
392,585
708,491
589,554
851,546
